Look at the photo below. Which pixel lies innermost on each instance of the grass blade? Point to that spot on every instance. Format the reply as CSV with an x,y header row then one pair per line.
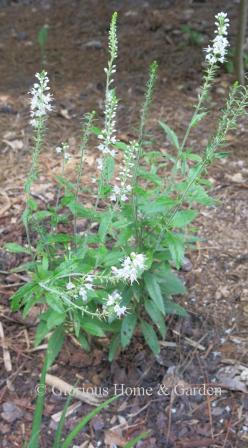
x,y
36,426
136,439
58,434
85,420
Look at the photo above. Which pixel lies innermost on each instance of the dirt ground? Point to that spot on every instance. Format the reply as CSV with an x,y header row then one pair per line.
x,y
215,335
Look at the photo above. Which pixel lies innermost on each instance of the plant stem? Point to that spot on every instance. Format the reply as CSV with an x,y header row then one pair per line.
x,y
86,133
203,95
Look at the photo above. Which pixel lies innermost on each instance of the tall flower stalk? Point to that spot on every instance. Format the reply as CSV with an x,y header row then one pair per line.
x,y
235,107
215,54
108,135
41,100
139,145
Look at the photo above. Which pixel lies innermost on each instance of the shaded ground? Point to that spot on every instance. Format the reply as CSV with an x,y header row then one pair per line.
x,y
218,295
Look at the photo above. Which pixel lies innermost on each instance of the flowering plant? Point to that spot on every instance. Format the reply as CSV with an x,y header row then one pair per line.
x,y
118,276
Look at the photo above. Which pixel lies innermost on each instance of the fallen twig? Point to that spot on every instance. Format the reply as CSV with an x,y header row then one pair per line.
x,y
71,409
6,354
67,389
191,342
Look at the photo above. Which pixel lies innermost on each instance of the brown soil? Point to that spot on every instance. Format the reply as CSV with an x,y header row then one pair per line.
x,y
217,297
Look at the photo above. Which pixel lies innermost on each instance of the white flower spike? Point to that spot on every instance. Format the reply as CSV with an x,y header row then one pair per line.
x,y
41,99
131,268
217,52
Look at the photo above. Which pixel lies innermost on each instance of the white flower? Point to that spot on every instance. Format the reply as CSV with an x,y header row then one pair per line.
x,y
105,149
131,268
115,193
113,298
70,285
89,278
58,149
120,310
41,99
138,260
217,52
67,156
83,293
120,193
87,286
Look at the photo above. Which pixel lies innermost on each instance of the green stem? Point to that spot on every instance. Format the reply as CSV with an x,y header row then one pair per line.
x,y
86,133
203,95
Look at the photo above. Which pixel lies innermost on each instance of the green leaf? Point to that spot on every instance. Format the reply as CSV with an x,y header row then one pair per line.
x,y
176,247
83,341
32,204
95,130
93,328
150,337
183,218
194,157
171,284
127,329
54,302
113,347
25,216
25,267
105,225
59,238
55,344
174,308
22,292
112,258
70,187
197,118
55,318
17,248
42,214
156,316
82,212
30,300
121,145
172,137
199,195
147,175
154,291
41,332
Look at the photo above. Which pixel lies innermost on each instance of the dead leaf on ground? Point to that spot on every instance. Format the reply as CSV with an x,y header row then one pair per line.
x,y
234,378
15,145
113,438
237,178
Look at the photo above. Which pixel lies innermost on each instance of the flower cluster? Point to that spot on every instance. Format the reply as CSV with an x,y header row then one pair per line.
x,y
216,52
87,286
41,99
63,149
84,288
113,304
120,193
131,268
108,134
